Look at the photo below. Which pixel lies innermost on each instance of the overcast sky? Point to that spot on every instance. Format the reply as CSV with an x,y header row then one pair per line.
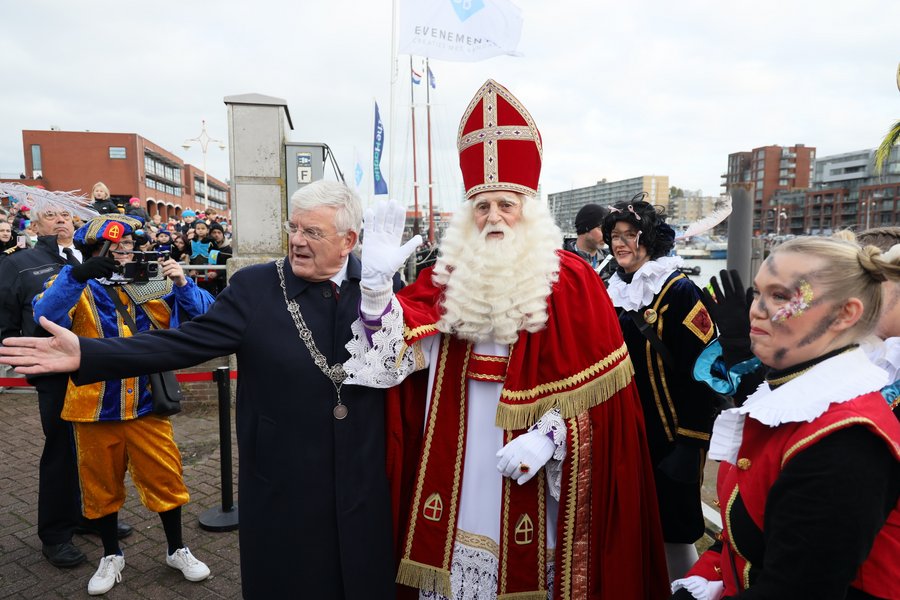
x,y
618,89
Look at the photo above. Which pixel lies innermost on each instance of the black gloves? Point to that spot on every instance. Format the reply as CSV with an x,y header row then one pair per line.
x,y
94,268
682,464
730,310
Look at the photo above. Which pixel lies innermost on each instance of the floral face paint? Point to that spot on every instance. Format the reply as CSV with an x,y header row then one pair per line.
x,y
799,302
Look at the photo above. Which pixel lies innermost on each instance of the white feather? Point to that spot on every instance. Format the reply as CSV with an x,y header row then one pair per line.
x,y
707,222
38,199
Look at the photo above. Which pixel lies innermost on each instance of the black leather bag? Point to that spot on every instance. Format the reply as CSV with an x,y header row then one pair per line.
x,y
164,388
167,395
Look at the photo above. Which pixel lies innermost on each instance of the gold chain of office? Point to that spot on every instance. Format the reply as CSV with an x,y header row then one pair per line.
x,y
335,373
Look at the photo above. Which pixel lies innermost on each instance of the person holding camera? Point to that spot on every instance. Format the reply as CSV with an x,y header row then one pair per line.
x,y
115,427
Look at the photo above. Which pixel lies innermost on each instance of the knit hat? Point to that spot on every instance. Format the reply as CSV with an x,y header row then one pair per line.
x,y
134,201
216,225
590,216
499,144
188,213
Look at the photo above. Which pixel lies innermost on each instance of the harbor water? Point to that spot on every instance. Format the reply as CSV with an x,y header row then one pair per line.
x,y
709,267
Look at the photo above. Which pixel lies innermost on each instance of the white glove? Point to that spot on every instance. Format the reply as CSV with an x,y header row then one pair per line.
x,y
700,587
521,458
382,254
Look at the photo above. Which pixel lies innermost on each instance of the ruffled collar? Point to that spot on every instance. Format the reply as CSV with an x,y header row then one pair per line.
x,y
804,398
885,354
646,282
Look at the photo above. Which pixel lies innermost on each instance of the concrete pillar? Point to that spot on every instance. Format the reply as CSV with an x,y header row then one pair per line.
x,y
740,231
256,136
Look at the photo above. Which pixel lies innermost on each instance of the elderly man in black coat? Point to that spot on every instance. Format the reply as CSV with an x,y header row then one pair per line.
x,y
314,500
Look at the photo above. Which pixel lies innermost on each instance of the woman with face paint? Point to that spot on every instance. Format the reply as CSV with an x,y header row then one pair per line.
x,y
810,475
665,326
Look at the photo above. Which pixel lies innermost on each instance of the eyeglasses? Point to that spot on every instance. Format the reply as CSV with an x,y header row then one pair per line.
x,y
126,244
312,234
628,237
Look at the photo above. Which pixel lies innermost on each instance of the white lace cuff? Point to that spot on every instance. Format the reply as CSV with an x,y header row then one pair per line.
x,y
388,360
552,425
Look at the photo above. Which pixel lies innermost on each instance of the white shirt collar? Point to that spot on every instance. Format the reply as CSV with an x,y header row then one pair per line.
x,y
339,277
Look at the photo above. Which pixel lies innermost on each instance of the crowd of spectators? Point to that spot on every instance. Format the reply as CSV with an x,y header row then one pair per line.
x,y
193,238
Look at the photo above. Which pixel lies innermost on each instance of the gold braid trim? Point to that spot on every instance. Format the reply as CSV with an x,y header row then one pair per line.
x,y
571,403
564,576
409,334
425,577
562,384
824,431
538,595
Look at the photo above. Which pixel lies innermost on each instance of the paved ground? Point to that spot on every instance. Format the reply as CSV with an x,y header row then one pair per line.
x,y
24,573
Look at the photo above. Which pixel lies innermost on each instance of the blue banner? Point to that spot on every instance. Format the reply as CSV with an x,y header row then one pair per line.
x,y
380,183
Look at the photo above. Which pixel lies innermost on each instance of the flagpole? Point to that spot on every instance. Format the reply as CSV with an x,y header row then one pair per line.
x,y
412,107
390,168
430,181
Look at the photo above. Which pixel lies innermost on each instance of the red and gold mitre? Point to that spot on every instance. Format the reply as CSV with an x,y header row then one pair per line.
x,y
499,144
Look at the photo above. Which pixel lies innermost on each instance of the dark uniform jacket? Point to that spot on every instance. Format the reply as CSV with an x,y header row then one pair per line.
x,y
22,277
678,411
315,517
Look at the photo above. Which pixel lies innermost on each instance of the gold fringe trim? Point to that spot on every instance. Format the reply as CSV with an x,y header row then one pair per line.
x,y
539,595
426,577
570,404
562,384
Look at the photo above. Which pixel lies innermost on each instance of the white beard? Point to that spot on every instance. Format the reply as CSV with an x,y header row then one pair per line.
x,y
497,288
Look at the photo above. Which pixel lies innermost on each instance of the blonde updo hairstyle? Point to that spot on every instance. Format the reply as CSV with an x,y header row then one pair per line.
x,y
849,271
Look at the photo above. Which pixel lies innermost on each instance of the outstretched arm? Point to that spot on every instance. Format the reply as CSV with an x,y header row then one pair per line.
x,y
35,356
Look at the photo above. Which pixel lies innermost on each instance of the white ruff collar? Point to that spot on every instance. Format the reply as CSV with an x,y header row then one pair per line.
x,y
833,381
646,283
884,353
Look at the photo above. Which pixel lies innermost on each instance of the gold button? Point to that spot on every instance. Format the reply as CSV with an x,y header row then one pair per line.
x,y
743,464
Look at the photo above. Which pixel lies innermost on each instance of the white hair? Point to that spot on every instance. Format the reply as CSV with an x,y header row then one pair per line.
x,y
330,193
496,288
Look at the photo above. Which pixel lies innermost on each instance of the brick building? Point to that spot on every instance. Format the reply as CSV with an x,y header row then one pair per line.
x,y
130,165
845,193
771,169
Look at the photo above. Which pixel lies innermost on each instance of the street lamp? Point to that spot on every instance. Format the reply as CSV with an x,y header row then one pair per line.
x,y
203,139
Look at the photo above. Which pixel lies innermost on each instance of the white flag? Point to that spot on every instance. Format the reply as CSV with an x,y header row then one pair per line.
x,y
462,30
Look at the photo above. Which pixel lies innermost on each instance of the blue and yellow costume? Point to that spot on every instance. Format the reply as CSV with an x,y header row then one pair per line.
x,y
115,428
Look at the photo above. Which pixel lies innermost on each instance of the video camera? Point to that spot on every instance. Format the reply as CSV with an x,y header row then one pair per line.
x,y
144,267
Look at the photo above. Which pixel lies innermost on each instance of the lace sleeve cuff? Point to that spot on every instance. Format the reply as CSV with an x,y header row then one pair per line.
x,y
380,358
552,425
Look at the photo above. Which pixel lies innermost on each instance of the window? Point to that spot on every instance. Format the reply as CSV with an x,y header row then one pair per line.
x,y
36,157
117,152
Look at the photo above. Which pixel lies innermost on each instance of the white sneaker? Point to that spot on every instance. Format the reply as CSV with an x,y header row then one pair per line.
x,y
108,574
191,568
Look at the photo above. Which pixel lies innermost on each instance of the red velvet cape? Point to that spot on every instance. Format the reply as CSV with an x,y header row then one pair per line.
x,y
609,541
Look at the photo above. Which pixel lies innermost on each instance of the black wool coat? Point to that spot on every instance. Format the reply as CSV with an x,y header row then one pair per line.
x,y
315,518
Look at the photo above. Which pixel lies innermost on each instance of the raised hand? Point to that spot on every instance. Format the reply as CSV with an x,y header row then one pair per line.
x,y
730,310
382,252
36,356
